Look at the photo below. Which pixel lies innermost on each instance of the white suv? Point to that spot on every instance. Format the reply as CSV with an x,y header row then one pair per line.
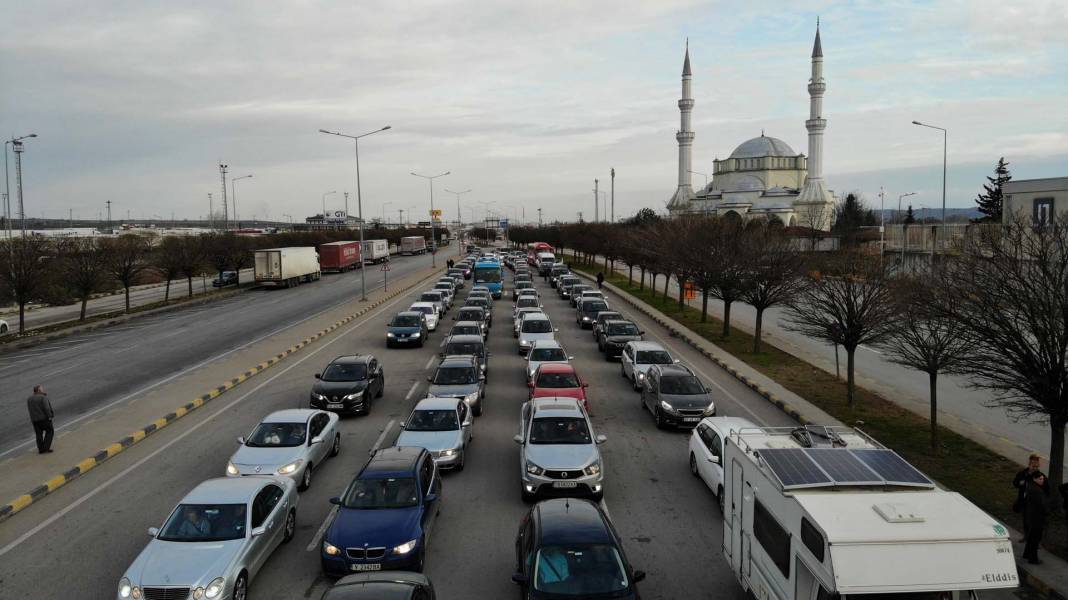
x,y
637,357
559,453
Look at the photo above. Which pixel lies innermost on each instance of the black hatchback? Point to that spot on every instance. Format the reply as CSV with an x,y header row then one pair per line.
x,y
348,384
568,548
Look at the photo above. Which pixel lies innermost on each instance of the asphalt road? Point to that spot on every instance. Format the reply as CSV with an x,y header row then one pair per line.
x,y
669,521
96,369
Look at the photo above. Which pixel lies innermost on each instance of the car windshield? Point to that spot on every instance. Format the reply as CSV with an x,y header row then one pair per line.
x,y
205,523
430,297
578,289
463,348
547,354
466,330
595,306
622,329
685,384
470,315
487,274
277,435
432,420
607,315
579,571
653,357
455,376
426,310
345,372
537,326
558,380
527,301
559,430
405,321
478,301
387,492
523,285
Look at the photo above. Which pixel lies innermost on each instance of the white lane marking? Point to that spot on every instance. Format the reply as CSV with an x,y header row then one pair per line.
x,y
89,495
869,349
411,391
171,377
315,541
382,436
430,362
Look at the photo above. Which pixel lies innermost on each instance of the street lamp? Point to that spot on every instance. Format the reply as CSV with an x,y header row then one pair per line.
x,y
945,138
485,216
459,219
233,197
701,174
384,205
433,228
325,194
359,201
904,238
7,183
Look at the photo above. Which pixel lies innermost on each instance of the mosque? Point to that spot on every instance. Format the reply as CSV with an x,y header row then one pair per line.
x,y
763,177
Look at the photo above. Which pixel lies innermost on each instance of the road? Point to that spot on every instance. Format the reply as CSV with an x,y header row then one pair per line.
x,y
98,369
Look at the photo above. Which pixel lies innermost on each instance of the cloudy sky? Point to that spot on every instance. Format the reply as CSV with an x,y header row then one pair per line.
x,y
524,102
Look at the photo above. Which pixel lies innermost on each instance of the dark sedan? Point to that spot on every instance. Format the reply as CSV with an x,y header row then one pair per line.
x,y
615,335
394,585
348,384
407,328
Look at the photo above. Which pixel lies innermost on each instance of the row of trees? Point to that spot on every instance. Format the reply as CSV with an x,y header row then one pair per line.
x,y
997,313
37,268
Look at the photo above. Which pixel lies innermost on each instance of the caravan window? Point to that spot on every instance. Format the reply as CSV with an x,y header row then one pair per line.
x,y
812,538
772,537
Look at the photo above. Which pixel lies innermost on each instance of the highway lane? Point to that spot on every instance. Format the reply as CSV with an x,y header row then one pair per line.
x,y
667,518
88,371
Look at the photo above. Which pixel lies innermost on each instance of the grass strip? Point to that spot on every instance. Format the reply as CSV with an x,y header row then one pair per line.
x,y
980,474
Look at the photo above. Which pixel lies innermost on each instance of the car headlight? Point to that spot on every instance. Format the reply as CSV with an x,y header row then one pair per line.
x,y
354,396
128,590
534,469
641,375
331,549
291,467
215,588
390,334
318,396
593,469
231,469
710,410
483,366
448,452
585,318
406,547
524,343
416,334
667,407
471,397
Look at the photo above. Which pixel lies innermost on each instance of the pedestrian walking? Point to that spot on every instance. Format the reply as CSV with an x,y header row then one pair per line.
x,y
1036,510
41,416
1021,482
600,279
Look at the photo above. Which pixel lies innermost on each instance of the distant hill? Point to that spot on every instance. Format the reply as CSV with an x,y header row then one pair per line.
x,y
952,214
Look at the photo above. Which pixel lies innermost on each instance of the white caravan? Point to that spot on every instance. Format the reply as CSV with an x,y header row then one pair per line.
x,y
821,513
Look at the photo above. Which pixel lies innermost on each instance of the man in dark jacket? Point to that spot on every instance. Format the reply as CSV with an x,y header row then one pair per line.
x,y
41,416
1035,511
600,280
1021,481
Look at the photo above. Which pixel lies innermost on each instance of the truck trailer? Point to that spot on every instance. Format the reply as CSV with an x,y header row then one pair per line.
x,y
413,244
815,512
375,251
287,267
339,256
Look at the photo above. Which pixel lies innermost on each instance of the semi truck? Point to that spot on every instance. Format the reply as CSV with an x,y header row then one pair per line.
x,y
375,251
413,244
287,267
339,256
817,512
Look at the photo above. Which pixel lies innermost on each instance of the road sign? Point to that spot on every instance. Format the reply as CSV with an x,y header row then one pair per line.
x,y
384,268
504,223
691,291
435,214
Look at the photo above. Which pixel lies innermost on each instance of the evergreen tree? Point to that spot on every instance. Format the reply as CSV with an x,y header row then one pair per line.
x,y
850,214
990,201
910,218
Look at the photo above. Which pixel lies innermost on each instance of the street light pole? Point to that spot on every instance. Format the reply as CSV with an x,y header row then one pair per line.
x,y
613,217
233,197
226,207
702,175
945,140
7,182
433,224
904,238
459,219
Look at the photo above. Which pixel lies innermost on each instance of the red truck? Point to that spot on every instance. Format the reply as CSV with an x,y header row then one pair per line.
x,y
339,256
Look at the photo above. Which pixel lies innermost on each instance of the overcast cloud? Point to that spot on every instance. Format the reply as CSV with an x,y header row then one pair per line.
x,y
525,102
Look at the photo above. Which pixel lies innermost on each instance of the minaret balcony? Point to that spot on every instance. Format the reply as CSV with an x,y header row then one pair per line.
x,y
684,136
814,125
817,88
686,104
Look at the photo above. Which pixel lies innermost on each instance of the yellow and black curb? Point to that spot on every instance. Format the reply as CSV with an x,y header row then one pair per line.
x,y
685,335
20,503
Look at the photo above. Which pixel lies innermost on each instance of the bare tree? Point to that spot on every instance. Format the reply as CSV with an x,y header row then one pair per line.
x,y
25,266
1009,292
128,257
167,259
241,256
774,277
815,219
191,255
84,264
925,339
730,268
850,305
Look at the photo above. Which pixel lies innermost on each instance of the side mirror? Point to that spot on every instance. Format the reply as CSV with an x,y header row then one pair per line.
x,y
713,459
317,440
600,439
640,332
571,358
638,576
556,330
335,500
677,360
522,579
153,531
517,439
441,355
241,440
430,378
257,532
431,497
481,376
403,424
318,375
467,422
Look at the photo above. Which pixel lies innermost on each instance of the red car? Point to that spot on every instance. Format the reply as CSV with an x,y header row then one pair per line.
x,y
558,379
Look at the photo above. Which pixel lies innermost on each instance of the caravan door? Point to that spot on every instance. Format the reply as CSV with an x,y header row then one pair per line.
x,y
736,553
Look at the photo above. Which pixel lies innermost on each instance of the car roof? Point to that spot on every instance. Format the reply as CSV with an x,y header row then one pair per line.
x,y
472,307
675,369
383,577
467,324
728,425
227,490
644,345
434,403
353,359
458,360
536,316
464,337
546,344
557,406
572,521
556,368
434,292
616,321
395,460
423,304
291,415
409,313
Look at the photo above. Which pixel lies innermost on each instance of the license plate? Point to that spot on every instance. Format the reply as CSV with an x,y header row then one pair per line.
x,y
565,484
335,405
367,567
691,419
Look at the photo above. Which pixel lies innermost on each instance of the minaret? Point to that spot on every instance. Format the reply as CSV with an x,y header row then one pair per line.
x,y
814,190
684,193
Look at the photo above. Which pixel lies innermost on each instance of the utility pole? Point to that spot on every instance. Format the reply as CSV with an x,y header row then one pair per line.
x,y
16,147
70,217
226,208
109,215
347,213
433,222
539,218
596,202
211,212
613,218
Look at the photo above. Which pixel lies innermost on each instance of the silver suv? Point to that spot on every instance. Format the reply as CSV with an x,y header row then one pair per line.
x,y
558,450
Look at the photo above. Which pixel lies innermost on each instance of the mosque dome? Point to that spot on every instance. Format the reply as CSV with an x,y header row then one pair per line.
x,y
763,146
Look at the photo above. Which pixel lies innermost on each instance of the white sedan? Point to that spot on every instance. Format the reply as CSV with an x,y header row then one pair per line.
x,y
431,312
288,443
545,351
638,356
706,450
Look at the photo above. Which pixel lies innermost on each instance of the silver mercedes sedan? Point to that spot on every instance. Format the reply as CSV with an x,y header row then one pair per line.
x,y
215,540
290,443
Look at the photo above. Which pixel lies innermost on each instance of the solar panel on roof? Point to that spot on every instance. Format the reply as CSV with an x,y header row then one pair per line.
x,y
843,467
794,468
891,467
